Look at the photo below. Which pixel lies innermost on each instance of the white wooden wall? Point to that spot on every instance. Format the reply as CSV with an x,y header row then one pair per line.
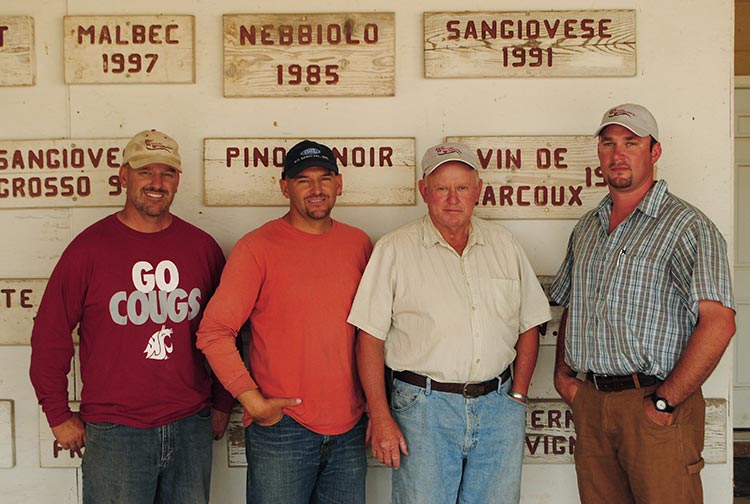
x,y
684,75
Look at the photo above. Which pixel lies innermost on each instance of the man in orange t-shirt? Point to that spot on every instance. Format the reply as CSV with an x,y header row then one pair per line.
x,y
294,278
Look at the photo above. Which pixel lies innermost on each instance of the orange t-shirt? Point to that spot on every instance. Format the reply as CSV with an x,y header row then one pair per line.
x,y
296,288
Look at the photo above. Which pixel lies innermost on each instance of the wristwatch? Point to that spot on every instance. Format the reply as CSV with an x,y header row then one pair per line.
x,y
661,404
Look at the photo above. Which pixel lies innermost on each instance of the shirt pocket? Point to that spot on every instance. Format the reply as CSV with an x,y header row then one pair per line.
x,y
635,278
501,297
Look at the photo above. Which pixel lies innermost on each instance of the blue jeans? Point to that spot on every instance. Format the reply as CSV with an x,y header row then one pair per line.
x,y
461,450
288,463
165,464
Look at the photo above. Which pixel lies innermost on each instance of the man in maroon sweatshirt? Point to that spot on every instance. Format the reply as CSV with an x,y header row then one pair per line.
x,y
136,283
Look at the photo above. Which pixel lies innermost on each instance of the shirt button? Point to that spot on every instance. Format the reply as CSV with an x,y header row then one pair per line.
x,y
477,361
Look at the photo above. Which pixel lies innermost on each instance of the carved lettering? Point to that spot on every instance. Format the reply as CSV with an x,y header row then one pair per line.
x,y
546,158
265,157
512,158
44,186
54,158
23,297
136,34
526,195
56,449
307,34
531,29
538,444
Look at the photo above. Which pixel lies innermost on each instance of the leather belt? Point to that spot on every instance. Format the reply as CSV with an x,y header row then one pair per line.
x,y
606,383
465,389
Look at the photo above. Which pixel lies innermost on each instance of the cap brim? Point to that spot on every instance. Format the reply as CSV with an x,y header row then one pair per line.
x,y
167,160
638,131
309,163
443,161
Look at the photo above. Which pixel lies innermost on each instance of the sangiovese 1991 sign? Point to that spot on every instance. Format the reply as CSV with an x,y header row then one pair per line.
x,y
530,44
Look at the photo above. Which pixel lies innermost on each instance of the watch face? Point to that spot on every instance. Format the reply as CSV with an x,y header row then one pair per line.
x,y
661,404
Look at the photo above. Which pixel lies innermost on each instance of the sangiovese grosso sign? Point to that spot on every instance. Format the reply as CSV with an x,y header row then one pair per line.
x,y
60,173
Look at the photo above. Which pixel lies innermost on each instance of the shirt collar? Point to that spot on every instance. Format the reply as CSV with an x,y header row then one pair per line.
x,y
650,204
431,236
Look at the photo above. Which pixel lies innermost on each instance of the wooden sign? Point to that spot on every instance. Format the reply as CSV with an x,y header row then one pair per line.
x,y
551,437
246,171
332,54
17,67
129,49
537,177
19,300
60,173
7,435
530,44
51,454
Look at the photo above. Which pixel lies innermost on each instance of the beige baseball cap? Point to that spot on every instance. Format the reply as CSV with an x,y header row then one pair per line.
x,y
437,155
634,117
152,146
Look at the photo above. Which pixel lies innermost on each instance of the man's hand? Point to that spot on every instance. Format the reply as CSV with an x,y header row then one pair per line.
x,y
658,417
219,422
566,384
266,412
388,443
71,434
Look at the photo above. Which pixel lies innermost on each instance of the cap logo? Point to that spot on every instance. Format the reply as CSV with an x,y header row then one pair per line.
x,y
620,112
441,151
156,145
310,151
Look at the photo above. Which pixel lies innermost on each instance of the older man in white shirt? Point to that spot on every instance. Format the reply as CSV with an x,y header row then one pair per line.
x,y
451,305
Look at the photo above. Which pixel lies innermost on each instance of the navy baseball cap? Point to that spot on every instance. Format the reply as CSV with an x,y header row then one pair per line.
x,y
306,154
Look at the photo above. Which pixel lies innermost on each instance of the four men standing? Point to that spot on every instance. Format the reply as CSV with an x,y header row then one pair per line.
x,y
448,308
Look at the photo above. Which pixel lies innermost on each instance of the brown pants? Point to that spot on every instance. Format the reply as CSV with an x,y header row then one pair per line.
x,y
623,457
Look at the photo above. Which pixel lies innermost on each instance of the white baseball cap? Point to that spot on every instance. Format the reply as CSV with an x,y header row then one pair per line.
x,y
634,117
438,155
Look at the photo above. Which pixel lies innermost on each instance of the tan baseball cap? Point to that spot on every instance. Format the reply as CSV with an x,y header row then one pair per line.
x,y
634,117
152,146
440,154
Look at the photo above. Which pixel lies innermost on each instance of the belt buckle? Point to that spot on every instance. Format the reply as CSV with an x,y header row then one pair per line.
x,y
596,382
465,391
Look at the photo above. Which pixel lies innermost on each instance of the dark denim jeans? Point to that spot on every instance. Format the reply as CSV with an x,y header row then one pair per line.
x,y
168,464
291,464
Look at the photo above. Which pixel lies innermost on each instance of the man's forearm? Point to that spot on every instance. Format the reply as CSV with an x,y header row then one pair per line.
x,y
527,351
371,368
703,352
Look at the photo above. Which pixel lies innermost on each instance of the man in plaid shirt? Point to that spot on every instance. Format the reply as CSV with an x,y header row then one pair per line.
x,y
649,312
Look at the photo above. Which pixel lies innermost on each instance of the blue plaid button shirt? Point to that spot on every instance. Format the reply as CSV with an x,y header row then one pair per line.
x,y
632,295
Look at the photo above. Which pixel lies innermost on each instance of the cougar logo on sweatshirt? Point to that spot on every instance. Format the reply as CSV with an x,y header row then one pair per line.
x,y
158,348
